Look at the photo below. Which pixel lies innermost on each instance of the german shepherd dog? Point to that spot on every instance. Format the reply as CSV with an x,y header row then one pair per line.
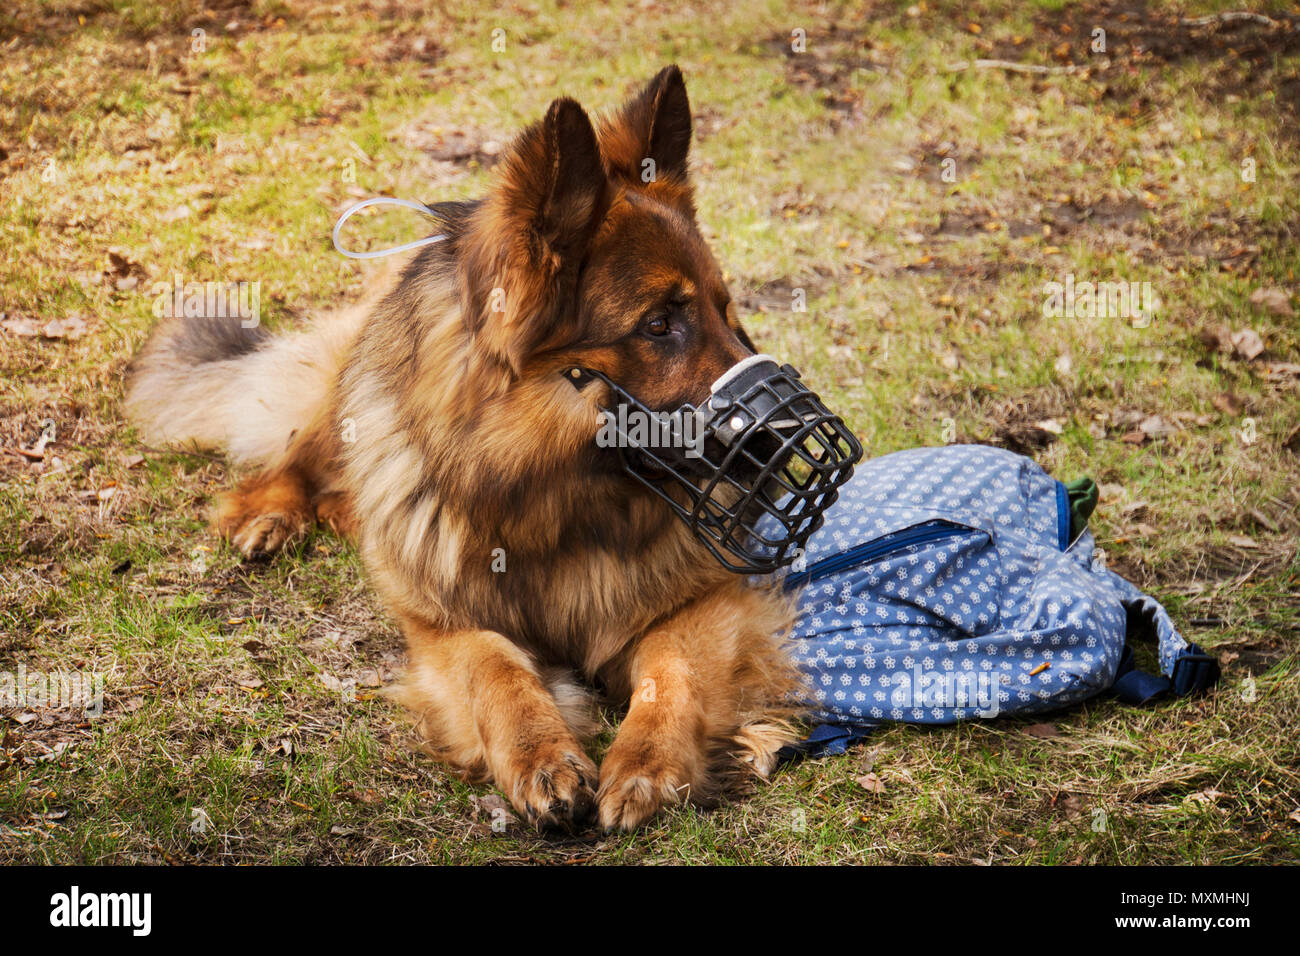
x,y
434,425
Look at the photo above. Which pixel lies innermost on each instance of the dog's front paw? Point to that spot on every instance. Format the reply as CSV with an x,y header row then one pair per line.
x,y
632,791
334,509
554,787
261,536
264,515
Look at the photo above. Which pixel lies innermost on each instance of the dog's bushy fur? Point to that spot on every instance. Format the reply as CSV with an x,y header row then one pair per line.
x,y
435,426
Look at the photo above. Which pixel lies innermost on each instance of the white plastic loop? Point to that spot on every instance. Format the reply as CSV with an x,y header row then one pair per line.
x,y
380,253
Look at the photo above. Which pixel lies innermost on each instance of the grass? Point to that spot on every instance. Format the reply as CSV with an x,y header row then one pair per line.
x,y
243,720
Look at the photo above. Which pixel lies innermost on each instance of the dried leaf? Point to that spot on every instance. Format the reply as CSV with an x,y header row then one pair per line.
x,y
1112,492
1263,520
871,783
22,327
1273,300
1042,730
1215,337
1229,403
1247,344
1157,427
1281,371
1136,509
71,328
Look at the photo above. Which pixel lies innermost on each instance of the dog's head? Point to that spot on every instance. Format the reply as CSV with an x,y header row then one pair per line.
x,y
587,252
585,263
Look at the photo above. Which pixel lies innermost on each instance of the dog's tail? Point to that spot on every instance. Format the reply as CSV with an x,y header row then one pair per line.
x,y
214,384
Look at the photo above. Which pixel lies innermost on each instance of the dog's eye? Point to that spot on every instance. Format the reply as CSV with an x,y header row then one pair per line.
x,y
658,325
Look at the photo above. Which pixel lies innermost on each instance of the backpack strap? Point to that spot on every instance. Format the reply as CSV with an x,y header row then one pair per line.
x,y
1193,670
826,740
1185,667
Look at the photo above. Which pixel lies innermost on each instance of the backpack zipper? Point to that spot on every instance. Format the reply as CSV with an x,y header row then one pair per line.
x,y
871,550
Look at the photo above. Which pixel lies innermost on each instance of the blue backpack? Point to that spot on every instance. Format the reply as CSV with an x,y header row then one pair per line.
x,y
946,585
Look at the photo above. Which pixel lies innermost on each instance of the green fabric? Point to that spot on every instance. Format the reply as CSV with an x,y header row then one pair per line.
x,y
1083,496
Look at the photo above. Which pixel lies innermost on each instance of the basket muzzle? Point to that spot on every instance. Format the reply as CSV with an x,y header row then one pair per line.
x,y
761,445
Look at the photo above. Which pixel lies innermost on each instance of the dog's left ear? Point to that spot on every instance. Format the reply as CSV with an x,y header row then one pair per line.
x,y
654,125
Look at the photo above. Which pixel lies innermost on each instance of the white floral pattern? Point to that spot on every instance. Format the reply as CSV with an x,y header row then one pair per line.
x,y
991,581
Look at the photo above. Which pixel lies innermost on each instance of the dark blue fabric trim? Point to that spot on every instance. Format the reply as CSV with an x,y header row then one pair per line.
x,y
894,541
1062,515
826,740
1133,686
1193,671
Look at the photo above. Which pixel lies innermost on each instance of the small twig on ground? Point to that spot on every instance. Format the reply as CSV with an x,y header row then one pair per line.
x,y
194,453
1014,67
31,454
1228,17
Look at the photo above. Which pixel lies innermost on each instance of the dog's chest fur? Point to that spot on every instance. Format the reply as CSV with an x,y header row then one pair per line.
x,y
562,562
582,605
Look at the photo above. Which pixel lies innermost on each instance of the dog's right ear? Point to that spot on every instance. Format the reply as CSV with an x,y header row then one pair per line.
x,y
519,267
554,184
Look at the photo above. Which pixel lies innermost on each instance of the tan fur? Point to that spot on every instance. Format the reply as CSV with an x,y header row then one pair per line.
x,y
441,433
250,407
